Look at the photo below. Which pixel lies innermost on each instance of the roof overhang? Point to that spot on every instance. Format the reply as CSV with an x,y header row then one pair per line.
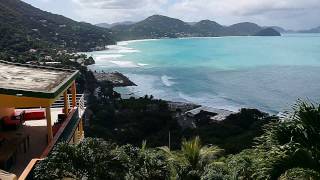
x,y
17,95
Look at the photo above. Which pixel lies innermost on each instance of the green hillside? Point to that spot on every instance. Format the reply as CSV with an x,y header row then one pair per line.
x,y
24,27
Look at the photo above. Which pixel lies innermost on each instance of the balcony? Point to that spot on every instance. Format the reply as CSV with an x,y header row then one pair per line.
x,y
35,104
30,140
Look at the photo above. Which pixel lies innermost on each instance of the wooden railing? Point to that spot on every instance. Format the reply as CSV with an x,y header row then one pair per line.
x,y
81,105
60,135
28,169
65,133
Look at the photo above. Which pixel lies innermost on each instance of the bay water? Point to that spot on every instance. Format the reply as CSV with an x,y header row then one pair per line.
x,y
267,73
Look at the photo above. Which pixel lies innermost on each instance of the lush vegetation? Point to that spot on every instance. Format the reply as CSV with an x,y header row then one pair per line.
x,y
235,133
247,145
24,27
136,119
98,159
287,150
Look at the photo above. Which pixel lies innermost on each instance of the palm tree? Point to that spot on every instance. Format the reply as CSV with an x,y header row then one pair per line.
x,y
192,158
293,142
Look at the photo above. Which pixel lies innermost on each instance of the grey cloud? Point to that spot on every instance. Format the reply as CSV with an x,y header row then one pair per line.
x,y
294,14
111,4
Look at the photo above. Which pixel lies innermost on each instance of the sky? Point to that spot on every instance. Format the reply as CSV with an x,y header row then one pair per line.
x,y
290,14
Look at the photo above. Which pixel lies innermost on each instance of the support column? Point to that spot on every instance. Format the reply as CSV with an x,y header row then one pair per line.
x,y
74,94
49,125
81,125
66,102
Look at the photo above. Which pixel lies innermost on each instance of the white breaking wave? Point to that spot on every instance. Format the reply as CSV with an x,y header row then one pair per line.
x,y
108,56
113,57
167,80
146,84
213,102
125,43
120,49
124,64
142,64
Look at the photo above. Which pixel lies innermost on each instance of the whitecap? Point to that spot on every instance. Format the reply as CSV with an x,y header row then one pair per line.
x,y
124,64
125,43
211,101
122,43
108,56
142,64
120,49
128,50
167,80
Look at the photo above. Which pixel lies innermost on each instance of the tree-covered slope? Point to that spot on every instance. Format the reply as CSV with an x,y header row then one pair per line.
x,y
268,32
155,26
158,26
242,29
24,26
208,28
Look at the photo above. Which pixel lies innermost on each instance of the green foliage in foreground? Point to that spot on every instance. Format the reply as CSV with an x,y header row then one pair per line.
x,y
133,120
289,149
99,159
188,163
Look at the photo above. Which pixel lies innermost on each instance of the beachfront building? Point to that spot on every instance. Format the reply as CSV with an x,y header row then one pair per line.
x,y
39,107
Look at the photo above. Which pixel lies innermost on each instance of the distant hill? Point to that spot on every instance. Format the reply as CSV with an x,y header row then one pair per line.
x,y
268,32
242,29
277,28
24,26
191,23
158,26
155,26
208,28
106,25
313,30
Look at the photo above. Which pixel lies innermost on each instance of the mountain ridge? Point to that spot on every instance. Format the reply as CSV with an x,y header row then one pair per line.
x,y
313,30
159,26
107,25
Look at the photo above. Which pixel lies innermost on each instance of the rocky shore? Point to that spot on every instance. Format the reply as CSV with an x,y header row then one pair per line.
x,y
187,113
116,78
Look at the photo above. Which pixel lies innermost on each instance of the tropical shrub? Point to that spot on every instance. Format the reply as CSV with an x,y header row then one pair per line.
x,y
92,158
99,159
145,163
190,161
216,171
299,174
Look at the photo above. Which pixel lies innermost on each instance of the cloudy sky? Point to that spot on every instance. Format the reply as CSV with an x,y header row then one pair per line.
x,y
290,14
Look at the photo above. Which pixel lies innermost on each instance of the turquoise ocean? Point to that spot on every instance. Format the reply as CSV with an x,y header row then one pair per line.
x,y
268,73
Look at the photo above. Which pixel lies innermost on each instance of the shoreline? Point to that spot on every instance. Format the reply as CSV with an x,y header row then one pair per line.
x,y
126,42
192,37
130,83
119,80
116,78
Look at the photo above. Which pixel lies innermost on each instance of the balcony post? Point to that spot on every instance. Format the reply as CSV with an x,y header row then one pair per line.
x,y
49,124
66,102
74,94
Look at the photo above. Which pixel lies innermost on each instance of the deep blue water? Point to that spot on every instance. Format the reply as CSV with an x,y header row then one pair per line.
x,y
269,73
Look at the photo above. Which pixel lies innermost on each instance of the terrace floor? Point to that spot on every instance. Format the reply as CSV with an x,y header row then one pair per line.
x,y
37,131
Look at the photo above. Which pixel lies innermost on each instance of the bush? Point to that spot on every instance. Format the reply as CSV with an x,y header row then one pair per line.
x,y
92,158
216,171
99,159
300,174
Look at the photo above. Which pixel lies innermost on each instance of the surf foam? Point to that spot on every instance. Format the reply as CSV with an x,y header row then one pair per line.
x,y
167,80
